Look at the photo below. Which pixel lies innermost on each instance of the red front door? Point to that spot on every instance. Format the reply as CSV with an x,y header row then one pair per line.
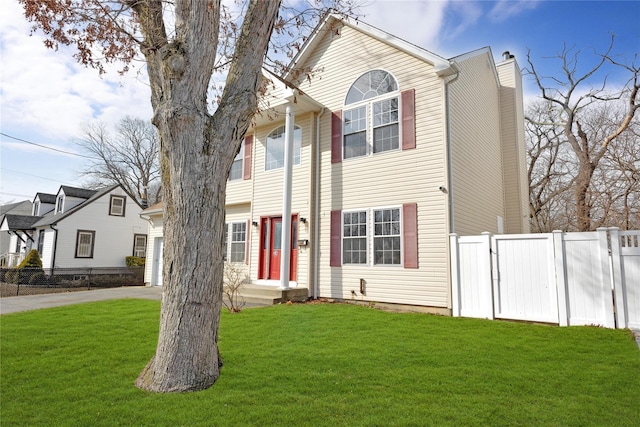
x,y
275,246
271,248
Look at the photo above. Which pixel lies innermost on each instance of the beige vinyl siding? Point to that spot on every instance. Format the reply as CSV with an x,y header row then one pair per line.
x,y
384,179
240,190
513,148
268,192
477,188
242,213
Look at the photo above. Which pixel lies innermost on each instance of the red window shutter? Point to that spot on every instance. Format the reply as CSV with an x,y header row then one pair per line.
x,y
410,234
336,136
246,241
335,249
408,119
248,150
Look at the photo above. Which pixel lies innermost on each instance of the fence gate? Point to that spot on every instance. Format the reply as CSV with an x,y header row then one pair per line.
x,y
524,282
590,278
626,275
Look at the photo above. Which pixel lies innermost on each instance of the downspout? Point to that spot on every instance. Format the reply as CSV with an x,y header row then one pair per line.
x,y
316,214
452,226
449,190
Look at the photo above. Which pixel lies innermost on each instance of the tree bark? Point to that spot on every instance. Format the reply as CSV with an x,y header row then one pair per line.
x,y
197,150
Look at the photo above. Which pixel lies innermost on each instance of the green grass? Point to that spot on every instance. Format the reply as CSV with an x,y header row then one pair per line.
x,y
319,365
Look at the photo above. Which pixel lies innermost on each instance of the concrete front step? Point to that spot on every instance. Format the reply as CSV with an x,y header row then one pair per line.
x,y
269,295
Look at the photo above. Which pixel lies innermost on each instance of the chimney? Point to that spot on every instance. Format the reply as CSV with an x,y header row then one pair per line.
x,y
506,55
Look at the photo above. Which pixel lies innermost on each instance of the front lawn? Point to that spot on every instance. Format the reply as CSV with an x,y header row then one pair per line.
x,y
319,364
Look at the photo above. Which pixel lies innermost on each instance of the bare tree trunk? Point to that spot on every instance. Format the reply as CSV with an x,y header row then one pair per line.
x,y
583,205
196,156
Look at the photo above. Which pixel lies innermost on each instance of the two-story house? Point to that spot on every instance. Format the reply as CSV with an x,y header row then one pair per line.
x,y
351,182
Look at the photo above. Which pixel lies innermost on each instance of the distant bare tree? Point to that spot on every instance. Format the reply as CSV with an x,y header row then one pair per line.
x,y
617,184
129,158
549,169
575,105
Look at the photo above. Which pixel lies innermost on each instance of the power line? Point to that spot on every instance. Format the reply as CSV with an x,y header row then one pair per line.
x,y
48,148
37,176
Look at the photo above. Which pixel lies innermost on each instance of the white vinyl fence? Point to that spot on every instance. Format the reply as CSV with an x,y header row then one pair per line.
x,y
590,278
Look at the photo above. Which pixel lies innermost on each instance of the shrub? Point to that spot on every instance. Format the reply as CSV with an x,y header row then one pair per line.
x,y
135,261
38,278
12,276
234,278
24,276
32,260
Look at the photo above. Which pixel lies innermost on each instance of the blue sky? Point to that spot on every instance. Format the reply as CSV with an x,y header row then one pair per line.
x,y
46,98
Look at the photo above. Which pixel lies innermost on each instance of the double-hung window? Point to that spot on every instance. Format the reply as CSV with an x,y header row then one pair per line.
x,y
371,115
386,236
354,237
117,205
85,241
140,245
237,166
384,227
235,248
41,242
275,147
60,203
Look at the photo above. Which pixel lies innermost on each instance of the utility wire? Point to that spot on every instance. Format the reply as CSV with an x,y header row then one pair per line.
x,y
48,148
37,176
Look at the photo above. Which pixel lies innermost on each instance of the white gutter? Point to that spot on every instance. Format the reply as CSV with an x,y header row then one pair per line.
x,y
449,189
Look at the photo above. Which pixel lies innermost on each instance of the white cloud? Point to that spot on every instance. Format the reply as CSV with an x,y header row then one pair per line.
x,y
467,14
417,22
46,98
47,92
505,9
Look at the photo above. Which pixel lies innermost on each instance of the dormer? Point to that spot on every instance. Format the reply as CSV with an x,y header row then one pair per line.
x,y
43,203
70,197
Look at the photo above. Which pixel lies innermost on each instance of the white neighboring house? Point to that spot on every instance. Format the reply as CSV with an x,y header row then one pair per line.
x,y
80,228
9,252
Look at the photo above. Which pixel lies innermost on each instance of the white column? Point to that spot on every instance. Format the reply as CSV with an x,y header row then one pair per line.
x,y
285,259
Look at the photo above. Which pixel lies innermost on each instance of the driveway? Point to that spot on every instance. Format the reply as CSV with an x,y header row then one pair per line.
x,y
35,302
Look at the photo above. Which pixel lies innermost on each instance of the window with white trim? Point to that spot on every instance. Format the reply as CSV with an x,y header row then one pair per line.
x,y
237,168
85,241
140,245
235,248
275,145
385,228
117,205
60,203
371,115
386,236
41,242
36,208
354,237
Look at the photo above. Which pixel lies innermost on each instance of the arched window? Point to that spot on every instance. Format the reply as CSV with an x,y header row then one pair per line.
x,y
274,157
370,85
371,115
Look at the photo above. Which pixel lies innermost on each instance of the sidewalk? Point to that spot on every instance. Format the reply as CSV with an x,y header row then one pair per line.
x,y
35,302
